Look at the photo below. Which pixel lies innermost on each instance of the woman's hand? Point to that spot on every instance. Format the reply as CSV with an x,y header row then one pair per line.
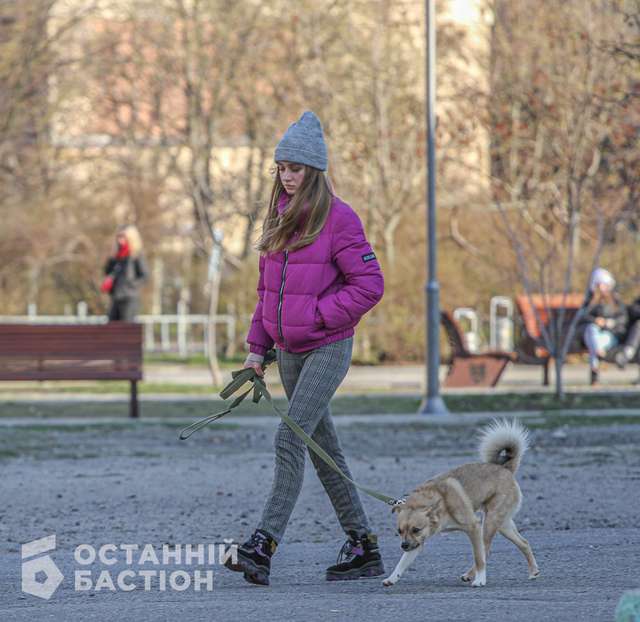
x,y
255,366
255,361
601,322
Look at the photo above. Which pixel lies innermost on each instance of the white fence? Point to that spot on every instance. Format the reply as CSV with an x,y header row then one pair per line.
x,y
182,333
184,336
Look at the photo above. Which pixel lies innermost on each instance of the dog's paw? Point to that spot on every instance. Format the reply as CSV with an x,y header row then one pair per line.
x,y
468,576
480,580
389,581
535,574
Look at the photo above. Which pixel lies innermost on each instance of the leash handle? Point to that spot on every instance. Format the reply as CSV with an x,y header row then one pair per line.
x,y
194,427
239,377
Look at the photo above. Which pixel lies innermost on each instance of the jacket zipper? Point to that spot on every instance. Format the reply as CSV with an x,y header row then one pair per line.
x,y
284,270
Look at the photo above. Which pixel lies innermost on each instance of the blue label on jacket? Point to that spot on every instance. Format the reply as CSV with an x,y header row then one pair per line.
x,y
368,257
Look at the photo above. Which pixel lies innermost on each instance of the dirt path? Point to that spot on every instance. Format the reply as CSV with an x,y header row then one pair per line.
x,y
122,482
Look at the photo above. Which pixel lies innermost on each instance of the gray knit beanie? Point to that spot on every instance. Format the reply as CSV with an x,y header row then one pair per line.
x,y
303,143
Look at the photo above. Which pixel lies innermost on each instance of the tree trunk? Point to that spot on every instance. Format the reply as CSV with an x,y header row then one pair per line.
x,y
215,264
212,359
389,240
157,285
559,363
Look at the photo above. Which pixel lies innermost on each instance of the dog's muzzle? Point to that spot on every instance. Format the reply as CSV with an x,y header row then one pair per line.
x,y
408,546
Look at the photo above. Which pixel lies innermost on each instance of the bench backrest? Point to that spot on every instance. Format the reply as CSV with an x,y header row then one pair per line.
x,y
71,352
546,305
455,337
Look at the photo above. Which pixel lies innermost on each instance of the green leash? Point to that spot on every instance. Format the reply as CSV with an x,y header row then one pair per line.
x,y
259,388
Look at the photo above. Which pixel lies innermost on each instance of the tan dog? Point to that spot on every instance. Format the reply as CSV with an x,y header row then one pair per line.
x,y
449,502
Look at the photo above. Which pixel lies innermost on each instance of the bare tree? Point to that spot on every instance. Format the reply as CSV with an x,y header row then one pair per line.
x,y
556,98
35,188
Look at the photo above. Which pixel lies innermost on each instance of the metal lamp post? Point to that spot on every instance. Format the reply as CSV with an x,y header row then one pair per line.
x,y
433,403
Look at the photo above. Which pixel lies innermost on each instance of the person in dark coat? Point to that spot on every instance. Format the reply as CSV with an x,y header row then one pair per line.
x,y
605,320
125,272
628,349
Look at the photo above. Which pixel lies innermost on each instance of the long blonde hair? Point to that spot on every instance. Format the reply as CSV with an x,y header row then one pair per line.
x,y
133,238
307,211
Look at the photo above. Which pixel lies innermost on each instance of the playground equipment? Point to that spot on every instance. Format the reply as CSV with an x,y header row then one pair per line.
x,y
467,318
501,324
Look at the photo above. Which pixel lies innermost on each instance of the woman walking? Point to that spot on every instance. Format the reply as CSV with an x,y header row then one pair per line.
x,y
126,270
318,277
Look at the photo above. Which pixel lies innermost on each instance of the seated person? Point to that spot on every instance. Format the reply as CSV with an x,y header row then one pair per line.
x,y
604,322
628,349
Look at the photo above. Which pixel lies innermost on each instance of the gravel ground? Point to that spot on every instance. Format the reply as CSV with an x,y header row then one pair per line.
x,y
135,482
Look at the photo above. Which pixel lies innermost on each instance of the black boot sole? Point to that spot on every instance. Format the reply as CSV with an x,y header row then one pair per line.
x,y
257,577
252,572
367,571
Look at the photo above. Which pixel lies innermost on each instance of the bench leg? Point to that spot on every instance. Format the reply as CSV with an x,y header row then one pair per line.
x,y
133,404
545,373
475,371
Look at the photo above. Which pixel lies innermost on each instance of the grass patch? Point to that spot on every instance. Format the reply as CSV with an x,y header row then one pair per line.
x,y
195,409
104,387
513,402
197,359
557,419
486,402
365,404
73,409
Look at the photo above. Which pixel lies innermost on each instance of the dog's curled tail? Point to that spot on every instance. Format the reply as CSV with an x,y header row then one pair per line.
x,y
504,443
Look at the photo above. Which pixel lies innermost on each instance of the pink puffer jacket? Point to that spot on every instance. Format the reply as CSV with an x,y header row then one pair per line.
x,y
317,294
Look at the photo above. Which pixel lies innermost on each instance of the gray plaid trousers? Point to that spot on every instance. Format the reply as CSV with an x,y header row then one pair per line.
x,y
310,379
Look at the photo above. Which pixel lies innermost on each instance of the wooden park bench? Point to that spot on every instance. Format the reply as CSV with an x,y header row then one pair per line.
x,y
538,308
482,369
73,352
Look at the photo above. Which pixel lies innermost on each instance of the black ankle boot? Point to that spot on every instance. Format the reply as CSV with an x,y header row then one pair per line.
x,y
620,358
254,558
361,559
594,377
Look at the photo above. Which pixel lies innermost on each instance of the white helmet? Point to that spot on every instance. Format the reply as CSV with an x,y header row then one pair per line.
x,y
600,276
